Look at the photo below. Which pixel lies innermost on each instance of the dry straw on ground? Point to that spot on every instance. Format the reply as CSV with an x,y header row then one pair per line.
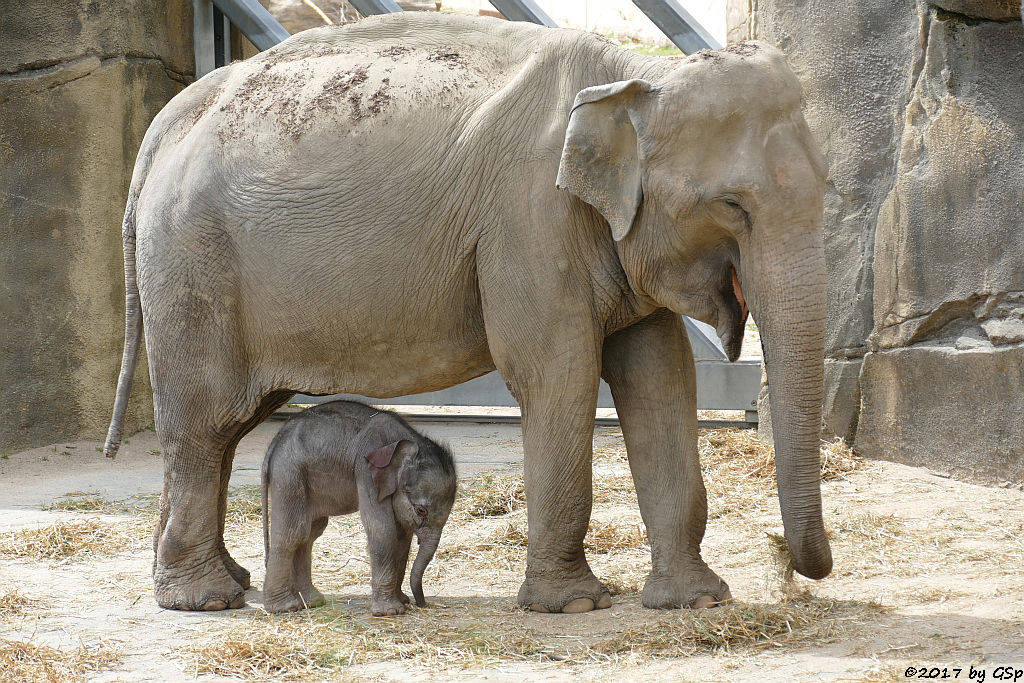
x,y
739,626
480,632
20,661
14,604
491,495
69,540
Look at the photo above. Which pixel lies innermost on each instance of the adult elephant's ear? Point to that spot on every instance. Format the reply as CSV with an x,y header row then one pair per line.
x,y
600,159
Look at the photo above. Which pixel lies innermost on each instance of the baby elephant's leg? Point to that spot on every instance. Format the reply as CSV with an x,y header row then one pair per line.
x,y
389,554
303,569
289,532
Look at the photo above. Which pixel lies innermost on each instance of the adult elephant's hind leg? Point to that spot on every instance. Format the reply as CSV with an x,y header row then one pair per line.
x,y
649,367
269,404
189,571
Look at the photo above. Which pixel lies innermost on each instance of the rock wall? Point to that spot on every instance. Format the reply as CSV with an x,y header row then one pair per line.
x,y
919,108
79,84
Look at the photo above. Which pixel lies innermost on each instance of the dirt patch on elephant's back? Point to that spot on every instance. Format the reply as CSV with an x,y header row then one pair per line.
x,y
926,573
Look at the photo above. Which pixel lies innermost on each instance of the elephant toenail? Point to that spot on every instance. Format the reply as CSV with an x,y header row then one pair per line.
x,y
537,607
578,605
214,605
605,601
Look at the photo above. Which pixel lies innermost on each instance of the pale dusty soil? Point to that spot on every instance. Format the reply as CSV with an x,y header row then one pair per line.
x,y
931,571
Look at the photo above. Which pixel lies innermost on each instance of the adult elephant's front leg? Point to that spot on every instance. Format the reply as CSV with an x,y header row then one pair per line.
x,y
649,367
558,424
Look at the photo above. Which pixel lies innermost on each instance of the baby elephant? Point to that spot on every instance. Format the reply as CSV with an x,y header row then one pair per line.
x,y
339,457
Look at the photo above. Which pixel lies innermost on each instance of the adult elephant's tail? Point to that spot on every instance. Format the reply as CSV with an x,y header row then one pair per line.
x,y
132,331
173,116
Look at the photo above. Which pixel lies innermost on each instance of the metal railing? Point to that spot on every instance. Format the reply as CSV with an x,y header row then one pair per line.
x,y
212,19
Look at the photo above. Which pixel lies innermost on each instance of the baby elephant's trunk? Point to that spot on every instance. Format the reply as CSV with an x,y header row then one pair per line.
x,y
428,539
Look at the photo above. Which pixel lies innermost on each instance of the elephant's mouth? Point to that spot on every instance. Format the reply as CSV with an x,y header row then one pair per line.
x,y
733,314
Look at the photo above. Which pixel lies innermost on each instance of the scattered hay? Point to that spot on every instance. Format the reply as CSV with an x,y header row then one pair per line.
x,y
736,626
477,632
781,582
873,531
511,535
308,646
492,496
91,502
77,501
610,454
624,584
837,460
614,489
72,540
244,506
21,661
739,452
14,604
271,650
610,537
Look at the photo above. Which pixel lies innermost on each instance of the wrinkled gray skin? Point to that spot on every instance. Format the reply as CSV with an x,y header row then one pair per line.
x,y
337,458
402,204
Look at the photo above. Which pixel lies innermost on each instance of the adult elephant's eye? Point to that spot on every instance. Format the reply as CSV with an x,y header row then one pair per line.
x,y
730,212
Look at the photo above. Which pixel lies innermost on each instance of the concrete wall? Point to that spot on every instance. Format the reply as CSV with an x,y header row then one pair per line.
x,y
919,108
79,84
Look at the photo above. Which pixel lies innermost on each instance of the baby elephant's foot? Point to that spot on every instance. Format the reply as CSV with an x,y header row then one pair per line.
x,y
314,598
293,601
389,606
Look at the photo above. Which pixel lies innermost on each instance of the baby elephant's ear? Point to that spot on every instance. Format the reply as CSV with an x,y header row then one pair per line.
x,y
386,468
382,456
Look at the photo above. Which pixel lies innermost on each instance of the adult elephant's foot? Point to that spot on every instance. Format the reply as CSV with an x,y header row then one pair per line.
x,y
199,586
543,594
695,589
239,573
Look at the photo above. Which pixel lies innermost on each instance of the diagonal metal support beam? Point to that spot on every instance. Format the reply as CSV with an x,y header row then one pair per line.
x,y
254,21
368,7
678,24
523,10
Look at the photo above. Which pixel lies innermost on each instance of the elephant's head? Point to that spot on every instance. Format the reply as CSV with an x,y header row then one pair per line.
x,y
713,189
420,477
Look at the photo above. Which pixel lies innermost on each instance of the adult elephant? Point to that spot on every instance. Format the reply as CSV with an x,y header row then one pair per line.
x,y
374,209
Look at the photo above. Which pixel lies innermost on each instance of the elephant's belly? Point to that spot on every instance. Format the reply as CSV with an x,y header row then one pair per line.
x,y
388,373
381,345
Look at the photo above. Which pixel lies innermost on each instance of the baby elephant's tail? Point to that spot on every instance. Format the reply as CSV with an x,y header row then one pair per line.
x,y
265,500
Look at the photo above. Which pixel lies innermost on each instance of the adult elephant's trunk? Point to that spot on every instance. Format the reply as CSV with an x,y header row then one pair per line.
x,y
790,313
428,539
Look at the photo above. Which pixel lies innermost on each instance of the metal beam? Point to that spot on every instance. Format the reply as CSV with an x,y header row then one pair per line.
x,y
720,386
368,7
221,39
678,24
202,37
254,21
704,341
523,10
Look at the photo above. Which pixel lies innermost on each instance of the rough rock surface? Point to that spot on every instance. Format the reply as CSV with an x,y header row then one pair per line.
x,y
919,108
79,84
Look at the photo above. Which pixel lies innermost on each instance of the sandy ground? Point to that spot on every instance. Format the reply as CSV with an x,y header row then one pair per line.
x,y
929,573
